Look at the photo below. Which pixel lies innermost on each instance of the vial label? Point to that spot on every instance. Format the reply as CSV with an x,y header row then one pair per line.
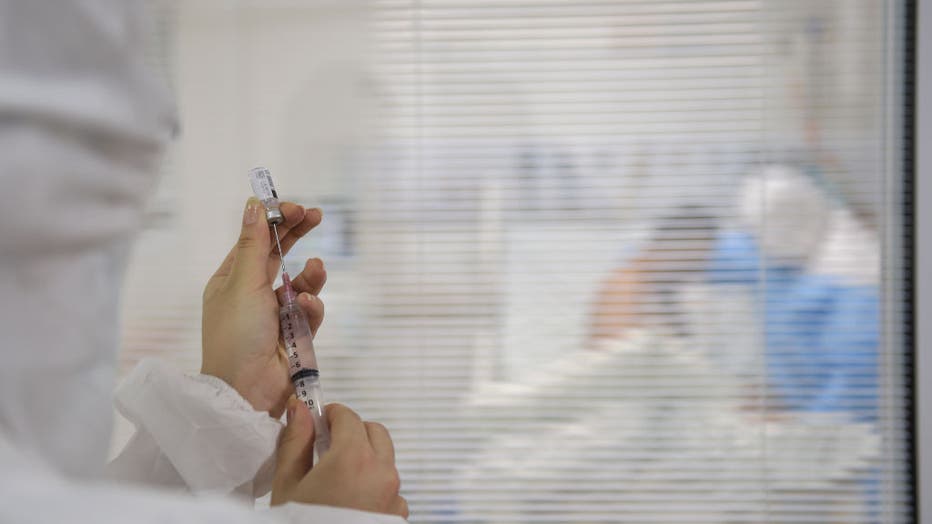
x,y
261,180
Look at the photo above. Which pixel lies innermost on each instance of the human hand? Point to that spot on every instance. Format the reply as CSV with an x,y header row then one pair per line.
x,y
240,327
358,472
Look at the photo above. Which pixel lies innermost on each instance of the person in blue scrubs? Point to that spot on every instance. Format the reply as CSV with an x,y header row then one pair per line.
x,y
821,332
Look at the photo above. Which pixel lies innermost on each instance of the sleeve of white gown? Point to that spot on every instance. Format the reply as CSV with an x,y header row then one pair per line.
x,y
193,432
197,433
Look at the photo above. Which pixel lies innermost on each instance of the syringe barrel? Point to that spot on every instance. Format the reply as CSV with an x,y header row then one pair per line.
x,y
302,367
298,338
308,390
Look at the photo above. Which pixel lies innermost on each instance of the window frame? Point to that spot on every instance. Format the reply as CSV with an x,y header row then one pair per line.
x,y
922,193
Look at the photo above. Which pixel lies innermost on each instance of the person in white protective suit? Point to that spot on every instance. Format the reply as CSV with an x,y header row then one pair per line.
x,y
82,124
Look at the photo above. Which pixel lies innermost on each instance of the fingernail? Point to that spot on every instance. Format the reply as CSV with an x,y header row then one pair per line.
x,y
307,296
251,214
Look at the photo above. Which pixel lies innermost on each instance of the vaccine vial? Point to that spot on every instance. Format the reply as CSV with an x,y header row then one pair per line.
x,y
260,179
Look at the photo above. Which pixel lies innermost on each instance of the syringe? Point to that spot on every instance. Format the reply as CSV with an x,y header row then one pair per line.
x,y
302,364
296,333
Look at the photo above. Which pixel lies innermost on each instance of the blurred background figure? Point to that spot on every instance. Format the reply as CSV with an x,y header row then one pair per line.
x,y
644,293
761,321
802,262
814,270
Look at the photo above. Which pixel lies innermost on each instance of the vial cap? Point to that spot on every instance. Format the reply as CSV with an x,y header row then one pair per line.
x,y
274,215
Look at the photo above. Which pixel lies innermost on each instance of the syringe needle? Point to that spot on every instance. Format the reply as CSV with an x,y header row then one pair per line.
x,y
281,256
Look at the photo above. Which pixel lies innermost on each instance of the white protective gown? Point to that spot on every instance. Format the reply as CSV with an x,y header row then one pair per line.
x,y
82,125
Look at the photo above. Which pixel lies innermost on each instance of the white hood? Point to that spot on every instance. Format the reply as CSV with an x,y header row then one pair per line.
x,y
796,222
787,213
82,124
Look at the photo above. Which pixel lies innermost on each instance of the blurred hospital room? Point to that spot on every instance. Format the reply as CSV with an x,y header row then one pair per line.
x,y
588,261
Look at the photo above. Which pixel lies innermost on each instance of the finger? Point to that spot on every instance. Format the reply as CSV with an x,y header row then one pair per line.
x,y
311,219
251,253
312,278
295,446
346,428
292,215
380,441
400,507
312,306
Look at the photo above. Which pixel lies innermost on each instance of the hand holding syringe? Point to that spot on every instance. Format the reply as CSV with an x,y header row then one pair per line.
x,y
243,347
295,331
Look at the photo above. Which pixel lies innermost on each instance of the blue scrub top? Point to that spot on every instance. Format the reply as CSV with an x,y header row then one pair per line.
x,y
822,334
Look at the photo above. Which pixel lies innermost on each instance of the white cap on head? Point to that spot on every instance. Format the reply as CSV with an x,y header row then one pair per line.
x,y
787,211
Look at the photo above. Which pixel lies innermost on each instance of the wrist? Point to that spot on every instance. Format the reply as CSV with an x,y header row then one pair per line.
x,y
249,397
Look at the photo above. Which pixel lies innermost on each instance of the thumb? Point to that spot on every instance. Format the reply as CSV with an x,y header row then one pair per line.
x,y
295,447
252,248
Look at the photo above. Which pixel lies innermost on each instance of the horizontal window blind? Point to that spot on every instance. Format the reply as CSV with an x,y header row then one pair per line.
x,y
607,261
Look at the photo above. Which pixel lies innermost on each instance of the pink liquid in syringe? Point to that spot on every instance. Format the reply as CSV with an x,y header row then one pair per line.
x,y
302,363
